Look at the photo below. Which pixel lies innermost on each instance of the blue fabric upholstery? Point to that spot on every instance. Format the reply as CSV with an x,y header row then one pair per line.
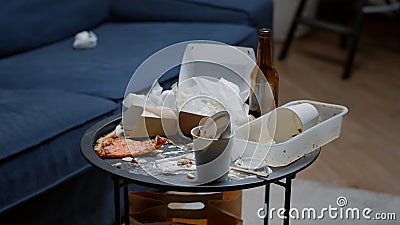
x,y
257,13
28,24
85,198
40,135
105,70
29,117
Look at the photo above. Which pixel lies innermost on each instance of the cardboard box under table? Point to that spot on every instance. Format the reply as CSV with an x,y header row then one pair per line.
x,y
185,208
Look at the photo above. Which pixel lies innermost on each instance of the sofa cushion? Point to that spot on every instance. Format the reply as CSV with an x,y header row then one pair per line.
x,y
40,134
30,117
28,24
106,69
257,13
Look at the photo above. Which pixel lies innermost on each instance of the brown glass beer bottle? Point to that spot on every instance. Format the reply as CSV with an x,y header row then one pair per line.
x,y
264,78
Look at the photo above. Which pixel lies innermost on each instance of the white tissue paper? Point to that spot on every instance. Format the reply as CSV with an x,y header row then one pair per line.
x,y
157,112
85,40
190,95
155,100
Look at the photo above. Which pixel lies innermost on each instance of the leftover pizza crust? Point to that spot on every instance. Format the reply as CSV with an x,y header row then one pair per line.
x,y
112,146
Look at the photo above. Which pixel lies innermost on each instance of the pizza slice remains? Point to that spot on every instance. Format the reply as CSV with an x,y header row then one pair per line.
x,y
112,146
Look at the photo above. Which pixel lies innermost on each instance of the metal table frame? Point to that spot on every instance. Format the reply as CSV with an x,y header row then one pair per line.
x,y
122,178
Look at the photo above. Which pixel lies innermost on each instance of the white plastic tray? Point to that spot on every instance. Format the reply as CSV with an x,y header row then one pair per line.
x,y
282,154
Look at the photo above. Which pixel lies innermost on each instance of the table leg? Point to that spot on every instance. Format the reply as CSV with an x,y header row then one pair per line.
x,y
117,204
288,191
126,204
266,203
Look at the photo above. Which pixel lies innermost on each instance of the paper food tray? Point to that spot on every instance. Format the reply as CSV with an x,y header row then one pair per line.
x,y
282,154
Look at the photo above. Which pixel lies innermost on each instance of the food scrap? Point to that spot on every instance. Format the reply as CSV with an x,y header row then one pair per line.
x,y
185,162
117,165
112,146
189,146
190,176
127,159
159,151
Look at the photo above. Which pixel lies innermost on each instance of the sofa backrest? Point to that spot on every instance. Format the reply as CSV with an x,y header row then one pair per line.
x,y
26,24
256,13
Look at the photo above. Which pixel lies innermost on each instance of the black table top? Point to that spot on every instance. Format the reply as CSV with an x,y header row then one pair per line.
x,y
105,126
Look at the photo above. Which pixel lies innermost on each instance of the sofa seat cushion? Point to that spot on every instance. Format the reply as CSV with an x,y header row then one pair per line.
x,y
40,135
257,13
27,24
106,69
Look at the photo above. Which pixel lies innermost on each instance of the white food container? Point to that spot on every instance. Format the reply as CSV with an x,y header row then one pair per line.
x,y
282,154
232,63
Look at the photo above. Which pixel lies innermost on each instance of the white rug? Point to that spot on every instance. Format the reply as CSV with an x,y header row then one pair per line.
x,y
357,205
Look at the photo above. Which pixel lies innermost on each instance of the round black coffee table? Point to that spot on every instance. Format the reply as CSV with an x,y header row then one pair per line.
x,y
122,177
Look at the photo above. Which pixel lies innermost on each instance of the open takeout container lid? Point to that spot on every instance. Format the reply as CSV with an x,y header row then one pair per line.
x,y
219,61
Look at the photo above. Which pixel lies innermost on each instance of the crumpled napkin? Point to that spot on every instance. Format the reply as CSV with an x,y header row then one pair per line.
x,y
223,95
155,99
85,40
198,95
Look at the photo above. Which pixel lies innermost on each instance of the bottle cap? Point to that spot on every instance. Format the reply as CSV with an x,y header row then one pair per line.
x,y
264,32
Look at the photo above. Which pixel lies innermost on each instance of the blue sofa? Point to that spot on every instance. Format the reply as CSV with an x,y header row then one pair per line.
x,y
50,93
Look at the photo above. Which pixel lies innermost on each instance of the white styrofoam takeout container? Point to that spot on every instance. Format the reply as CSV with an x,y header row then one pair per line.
x,y
232,63
282,154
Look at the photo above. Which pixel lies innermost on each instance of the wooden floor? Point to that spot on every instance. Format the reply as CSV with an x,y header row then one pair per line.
x,y
367,154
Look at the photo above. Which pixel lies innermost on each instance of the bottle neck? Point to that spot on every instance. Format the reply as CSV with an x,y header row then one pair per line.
x,y
264,51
